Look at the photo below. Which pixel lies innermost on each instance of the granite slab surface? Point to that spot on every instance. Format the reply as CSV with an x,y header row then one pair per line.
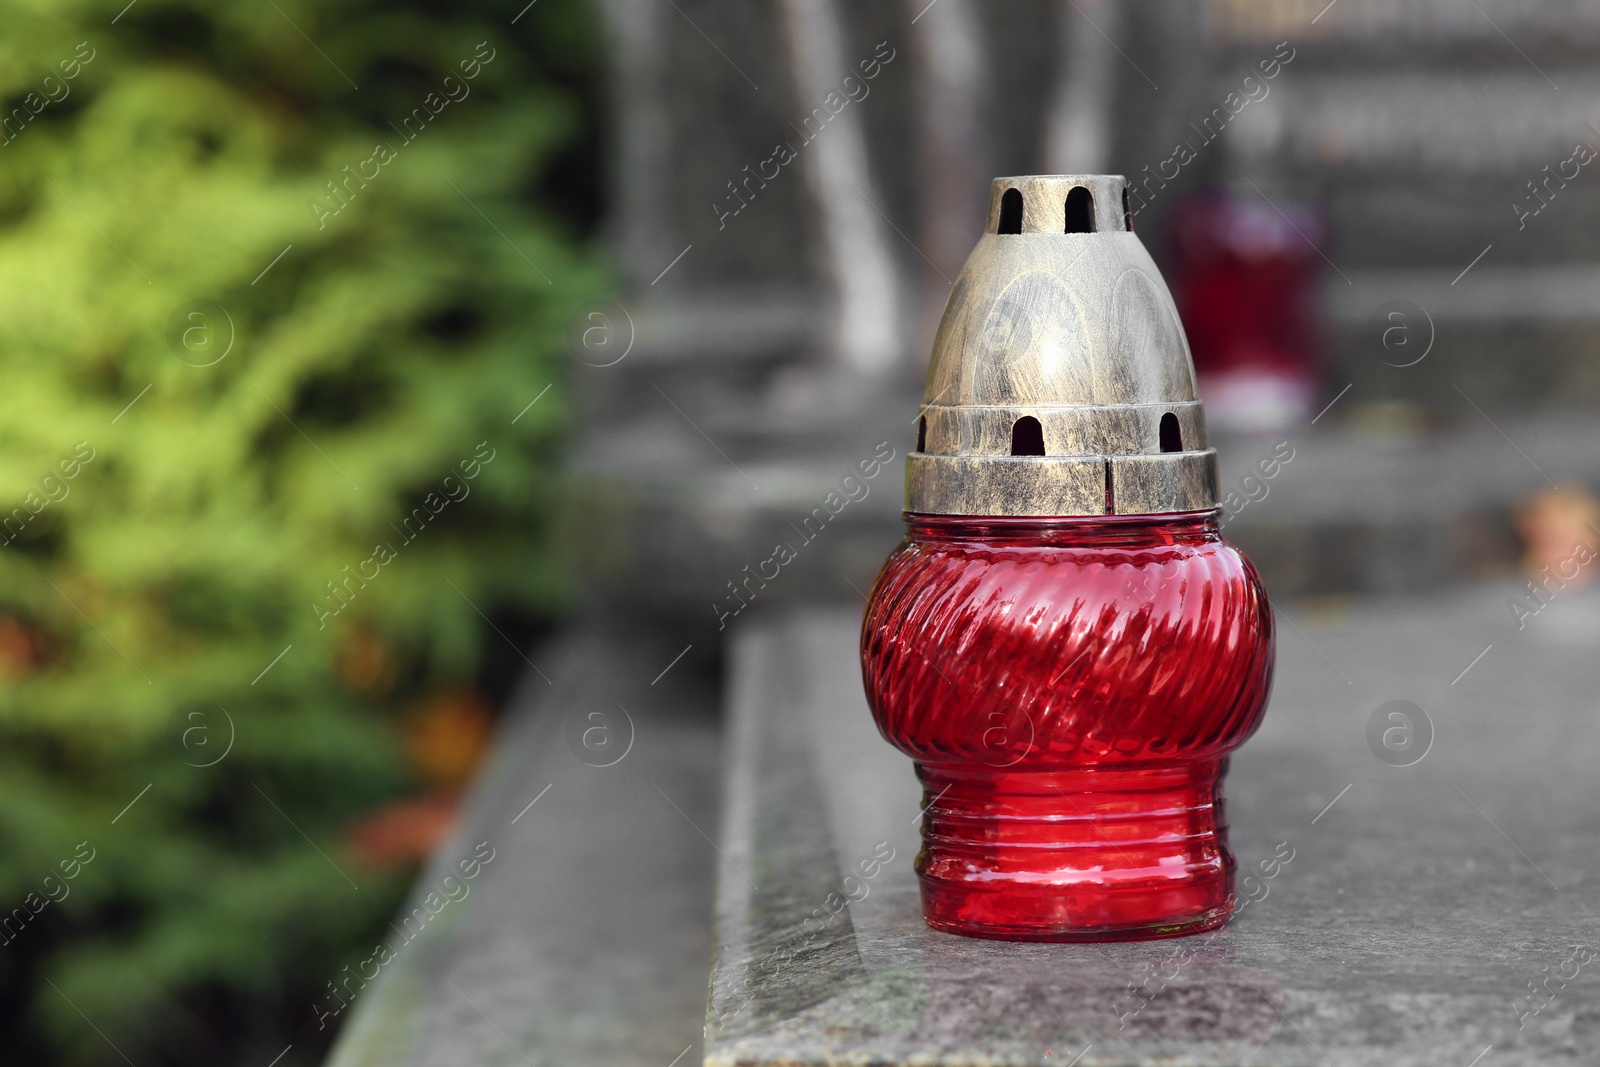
x,y
1438,913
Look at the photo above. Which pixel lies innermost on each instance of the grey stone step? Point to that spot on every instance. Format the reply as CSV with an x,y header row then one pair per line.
x,y
585,938
1419,902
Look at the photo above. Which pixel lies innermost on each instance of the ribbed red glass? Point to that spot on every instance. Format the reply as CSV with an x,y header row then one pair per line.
x,y
1070,689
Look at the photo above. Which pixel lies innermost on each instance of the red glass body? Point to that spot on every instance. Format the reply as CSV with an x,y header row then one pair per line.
x,y
1070,690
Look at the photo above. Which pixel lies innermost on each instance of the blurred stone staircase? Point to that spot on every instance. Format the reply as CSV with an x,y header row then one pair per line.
x,y
727,423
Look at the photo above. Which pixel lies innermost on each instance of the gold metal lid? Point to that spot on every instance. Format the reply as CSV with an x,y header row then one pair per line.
x,y
1061,382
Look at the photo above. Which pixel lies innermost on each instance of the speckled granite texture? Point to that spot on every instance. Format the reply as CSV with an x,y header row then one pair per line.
x,y
1418,904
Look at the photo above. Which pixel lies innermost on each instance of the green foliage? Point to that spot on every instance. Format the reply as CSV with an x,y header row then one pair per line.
x,y
148,592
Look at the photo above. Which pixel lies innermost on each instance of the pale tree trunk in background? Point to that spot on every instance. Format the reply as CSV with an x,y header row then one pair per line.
x,y
868,326
953,77
640,153
1167,39
1077,134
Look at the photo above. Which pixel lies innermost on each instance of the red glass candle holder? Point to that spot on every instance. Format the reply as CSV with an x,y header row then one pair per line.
x,y
1070,689
1064,644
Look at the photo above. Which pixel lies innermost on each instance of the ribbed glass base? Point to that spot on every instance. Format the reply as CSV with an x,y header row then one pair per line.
x,y
1081,855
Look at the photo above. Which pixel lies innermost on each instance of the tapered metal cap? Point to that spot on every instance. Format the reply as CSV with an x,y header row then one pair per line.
x,y
1061,381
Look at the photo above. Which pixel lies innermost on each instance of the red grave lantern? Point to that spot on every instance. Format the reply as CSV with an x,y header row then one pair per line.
x,y
1064,643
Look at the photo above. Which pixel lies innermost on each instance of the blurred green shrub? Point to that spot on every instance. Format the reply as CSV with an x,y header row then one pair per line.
x,y
254,378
